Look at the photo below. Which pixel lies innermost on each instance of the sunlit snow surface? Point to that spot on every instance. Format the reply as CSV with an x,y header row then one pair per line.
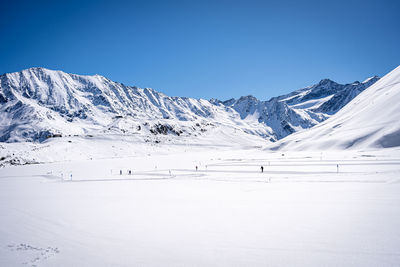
x,y
302,211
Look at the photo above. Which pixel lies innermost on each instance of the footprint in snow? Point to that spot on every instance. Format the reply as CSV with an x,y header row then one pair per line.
x,y
34,254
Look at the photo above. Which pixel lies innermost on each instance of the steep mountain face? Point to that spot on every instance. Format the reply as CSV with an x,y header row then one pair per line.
x,y
38,103
370,120
300,109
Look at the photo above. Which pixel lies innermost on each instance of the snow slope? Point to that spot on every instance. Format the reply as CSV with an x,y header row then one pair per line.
x,y
371,120
38,103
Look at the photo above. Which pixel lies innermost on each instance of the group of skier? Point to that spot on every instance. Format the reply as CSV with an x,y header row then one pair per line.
x,y
129,172
197,168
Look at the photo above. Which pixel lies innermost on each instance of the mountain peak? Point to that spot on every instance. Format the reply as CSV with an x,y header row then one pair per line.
x,y
39,69
248,97
326,81
371,79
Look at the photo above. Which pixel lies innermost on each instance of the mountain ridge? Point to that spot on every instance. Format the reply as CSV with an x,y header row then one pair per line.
x,y
290,112
36,103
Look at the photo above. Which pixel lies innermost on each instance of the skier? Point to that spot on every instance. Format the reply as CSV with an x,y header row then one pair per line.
x,y
197,168
120,172
262,168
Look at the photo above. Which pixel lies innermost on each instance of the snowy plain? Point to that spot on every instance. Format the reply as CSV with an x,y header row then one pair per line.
x,y
301,211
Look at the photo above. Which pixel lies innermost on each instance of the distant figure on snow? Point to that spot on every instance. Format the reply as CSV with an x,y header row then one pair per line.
x,y
262,168
120,172
197,168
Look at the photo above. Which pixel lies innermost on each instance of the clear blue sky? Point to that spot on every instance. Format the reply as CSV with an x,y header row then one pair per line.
x,y
204,49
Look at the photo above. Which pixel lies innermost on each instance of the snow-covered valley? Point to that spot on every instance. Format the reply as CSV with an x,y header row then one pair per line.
x,y
151,180
305,209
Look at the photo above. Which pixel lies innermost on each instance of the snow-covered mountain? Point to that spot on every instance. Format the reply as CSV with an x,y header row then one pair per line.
x,y
371,120
300,109
38,103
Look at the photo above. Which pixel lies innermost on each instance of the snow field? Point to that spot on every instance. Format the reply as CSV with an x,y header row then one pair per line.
x,y
227,213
